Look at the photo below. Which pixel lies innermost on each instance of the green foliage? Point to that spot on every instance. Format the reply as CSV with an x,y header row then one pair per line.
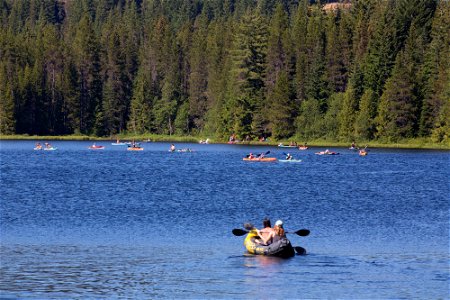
x,y
364,123
379,70
309,121
281,109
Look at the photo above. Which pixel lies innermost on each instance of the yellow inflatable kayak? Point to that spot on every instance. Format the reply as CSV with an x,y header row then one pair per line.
x,y
281,248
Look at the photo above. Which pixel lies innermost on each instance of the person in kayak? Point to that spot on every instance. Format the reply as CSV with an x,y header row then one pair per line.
x,y
250,156
172,148
266,234
289,156
279,232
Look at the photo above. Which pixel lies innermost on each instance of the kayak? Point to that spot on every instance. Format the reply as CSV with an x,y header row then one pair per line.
x,y
287,146
185,150
119,144
135,148
37,148
50,149
95,147
281,248
264,159
363,153
303,148
290,160
326,153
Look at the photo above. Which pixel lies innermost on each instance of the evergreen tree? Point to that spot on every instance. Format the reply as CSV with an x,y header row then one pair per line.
x,y
141,115
364,123
281,109
436,74
309,122
330,128
299,33
198,74
381,50
315,82
7,120
245,87
87,61
347,115
397,109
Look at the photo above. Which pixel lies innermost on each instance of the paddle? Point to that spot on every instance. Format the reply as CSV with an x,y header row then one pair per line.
x,y
300,250
258,155
241,232
262,154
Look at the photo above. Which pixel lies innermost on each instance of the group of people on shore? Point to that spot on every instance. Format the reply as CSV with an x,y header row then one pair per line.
x,y
269,235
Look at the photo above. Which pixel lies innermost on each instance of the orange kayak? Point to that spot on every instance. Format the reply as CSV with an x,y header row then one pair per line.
x,y
135,148
264,159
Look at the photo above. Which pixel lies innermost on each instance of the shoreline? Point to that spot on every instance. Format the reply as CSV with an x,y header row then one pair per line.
x,y
406,144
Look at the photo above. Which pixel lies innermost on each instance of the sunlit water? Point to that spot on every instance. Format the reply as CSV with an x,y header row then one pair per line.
x,y
80,223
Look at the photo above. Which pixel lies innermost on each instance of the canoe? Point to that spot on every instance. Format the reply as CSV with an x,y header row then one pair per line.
x,y
135,148
281,248
264,159
327,153
290,160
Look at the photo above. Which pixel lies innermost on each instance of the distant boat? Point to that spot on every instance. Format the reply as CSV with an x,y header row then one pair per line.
x,y
326,152
136,148
287,146
118,143
96,147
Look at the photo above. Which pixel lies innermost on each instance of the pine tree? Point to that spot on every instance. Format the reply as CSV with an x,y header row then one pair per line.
x,y
281,108
300,47
198,74
245,87
347,115
330,128
87,61
364,123
7,119
397,109
141,117
309,122
436,74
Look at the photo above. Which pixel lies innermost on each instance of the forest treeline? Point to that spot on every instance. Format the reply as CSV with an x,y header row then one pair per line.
x,y
373,70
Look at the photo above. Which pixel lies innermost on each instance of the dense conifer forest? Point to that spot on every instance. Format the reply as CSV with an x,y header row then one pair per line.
x,y
365,69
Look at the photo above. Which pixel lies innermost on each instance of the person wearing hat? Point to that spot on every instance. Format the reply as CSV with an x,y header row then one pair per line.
x,y
279,231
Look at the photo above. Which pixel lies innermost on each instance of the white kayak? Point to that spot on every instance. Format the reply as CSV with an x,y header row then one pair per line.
x,y
290,160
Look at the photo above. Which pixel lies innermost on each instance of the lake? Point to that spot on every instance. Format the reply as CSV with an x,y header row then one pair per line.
x,y
80,223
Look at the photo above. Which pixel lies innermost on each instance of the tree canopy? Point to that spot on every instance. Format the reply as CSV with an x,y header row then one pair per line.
x,y
283,69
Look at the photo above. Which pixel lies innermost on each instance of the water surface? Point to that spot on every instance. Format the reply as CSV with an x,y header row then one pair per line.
x,y
153,224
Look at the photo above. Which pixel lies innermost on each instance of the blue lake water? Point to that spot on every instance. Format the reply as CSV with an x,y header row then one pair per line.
x,y
80,223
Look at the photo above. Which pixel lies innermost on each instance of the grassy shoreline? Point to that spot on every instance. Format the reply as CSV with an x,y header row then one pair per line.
x,y
405,144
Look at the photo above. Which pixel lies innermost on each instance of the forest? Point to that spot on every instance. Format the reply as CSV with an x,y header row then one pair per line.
x,y
365,70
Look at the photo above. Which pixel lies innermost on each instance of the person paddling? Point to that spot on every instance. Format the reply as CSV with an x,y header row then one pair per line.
x,y
266,234
289,156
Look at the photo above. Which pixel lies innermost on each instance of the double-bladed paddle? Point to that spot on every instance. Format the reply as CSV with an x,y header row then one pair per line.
x,y
258,155
241,232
